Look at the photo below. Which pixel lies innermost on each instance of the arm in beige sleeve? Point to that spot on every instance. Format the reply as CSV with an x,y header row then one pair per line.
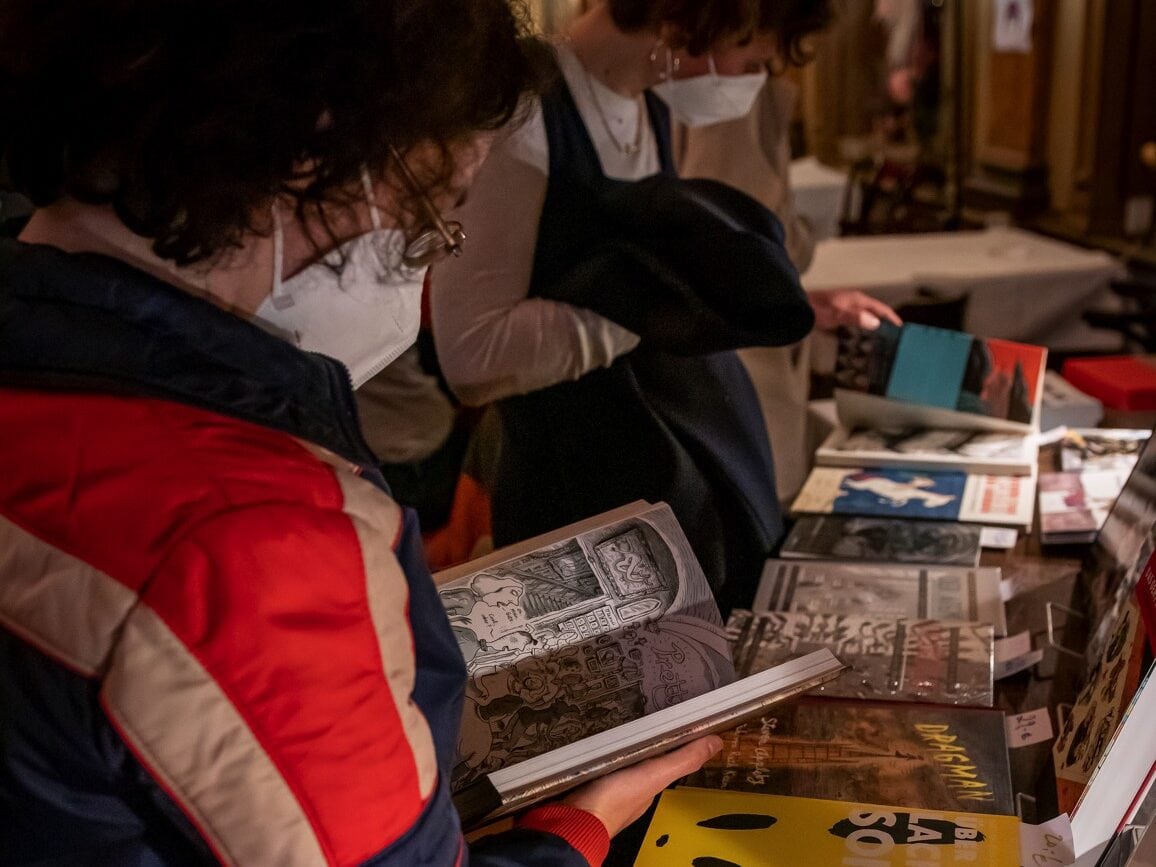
x,y
492,340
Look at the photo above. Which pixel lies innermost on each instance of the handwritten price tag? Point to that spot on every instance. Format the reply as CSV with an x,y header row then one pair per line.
x,y
1025,729
1047,845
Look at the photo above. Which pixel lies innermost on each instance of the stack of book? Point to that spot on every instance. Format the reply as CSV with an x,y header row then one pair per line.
x,y
933,424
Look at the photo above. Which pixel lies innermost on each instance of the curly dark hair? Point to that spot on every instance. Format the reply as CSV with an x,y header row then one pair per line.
x,y
189,116
705,22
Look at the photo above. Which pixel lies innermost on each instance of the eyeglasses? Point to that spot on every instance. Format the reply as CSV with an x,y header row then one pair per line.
x,y
436,239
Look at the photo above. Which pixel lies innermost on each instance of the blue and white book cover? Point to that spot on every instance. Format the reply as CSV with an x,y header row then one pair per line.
x,y
938,495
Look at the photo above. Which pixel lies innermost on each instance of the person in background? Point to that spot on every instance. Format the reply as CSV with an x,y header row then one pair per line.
x,y
594,412
218,642
753,154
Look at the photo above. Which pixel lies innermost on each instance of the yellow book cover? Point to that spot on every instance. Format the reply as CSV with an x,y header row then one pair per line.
x,y
711,828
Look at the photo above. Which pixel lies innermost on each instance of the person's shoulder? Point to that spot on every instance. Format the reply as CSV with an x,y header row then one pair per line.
x,y
524,138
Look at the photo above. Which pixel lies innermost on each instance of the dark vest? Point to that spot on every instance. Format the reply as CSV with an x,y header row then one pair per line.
x,y
684,429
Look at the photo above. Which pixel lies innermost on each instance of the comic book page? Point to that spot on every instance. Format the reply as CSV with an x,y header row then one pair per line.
x,y
580,635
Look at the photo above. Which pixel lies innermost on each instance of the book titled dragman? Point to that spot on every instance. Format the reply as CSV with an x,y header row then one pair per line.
x,y
924,756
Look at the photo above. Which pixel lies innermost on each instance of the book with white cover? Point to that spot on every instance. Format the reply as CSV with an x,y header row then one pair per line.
x,y
994,453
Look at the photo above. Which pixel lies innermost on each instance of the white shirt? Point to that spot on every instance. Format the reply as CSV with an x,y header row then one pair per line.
x,y
492,340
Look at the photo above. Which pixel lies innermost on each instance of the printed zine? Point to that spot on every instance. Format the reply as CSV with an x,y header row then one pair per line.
x,y
883,540
894,659
916,375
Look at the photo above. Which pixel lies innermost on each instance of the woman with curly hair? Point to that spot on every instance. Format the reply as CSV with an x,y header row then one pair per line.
x,y
217,638
605,301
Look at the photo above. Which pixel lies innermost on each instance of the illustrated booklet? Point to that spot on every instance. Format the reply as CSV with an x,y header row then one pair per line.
x,y
886,590
920,376
922,756
709,828
971,451
944,495
1075,502
882,540
892,659
571,637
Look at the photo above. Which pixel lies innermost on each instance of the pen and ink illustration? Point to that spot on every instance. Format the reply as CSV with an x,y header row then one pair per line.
x,y
886,590
896,659
581,636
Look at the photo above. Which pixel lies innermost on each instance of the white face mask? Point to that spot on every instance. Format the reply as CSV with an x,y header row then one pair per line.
x,y
359,304
711,98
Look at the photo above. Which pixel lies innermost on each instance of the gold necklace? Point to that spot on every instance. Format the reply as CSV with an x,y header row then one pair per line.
x,y
627,148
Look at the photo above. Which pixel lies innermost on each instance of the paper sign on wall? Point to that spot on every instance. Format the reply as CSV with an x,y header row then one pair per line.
x,y
1013,26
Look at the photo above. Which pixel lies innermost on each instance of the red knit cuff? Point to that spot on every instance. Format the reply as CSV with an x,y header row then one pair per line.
x,y
584,831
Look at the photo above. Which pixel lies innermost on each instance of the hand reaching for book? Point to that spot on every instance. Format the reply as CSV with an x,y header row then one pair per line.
x,y
619,798
849,307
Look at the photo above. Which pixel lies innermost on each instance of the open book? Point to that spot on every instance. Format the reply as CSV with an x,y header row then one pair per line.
x,y
919,376
571,636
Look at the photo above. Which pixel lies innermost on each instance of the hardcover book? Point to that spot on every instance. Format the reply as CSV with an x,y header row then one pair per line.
x,y
851,750
885,590
916,375
885,540
574,635
896,659
709,828
970,451
923,494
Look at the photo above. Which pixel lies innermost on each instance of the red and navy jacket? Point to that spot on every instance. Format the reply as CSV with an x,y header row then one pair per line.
x,y
218,640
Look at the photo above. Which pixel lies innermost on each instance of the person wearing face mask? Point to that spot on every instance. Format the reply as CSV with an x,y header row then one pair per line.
x,y
218,641
753,154
589,308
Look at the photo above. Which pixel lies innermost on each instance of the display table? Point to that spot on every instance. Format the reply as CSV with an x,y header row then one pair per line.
x,y
818,190
1021,286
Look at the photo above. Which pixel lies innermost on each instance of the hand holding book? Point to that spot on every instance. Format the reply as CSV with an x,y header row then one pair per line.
x,y
618,799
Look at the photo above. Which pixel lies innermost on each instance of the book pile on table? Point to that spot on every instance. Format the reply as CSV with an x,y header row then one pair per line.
x,y
901,750
933,424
